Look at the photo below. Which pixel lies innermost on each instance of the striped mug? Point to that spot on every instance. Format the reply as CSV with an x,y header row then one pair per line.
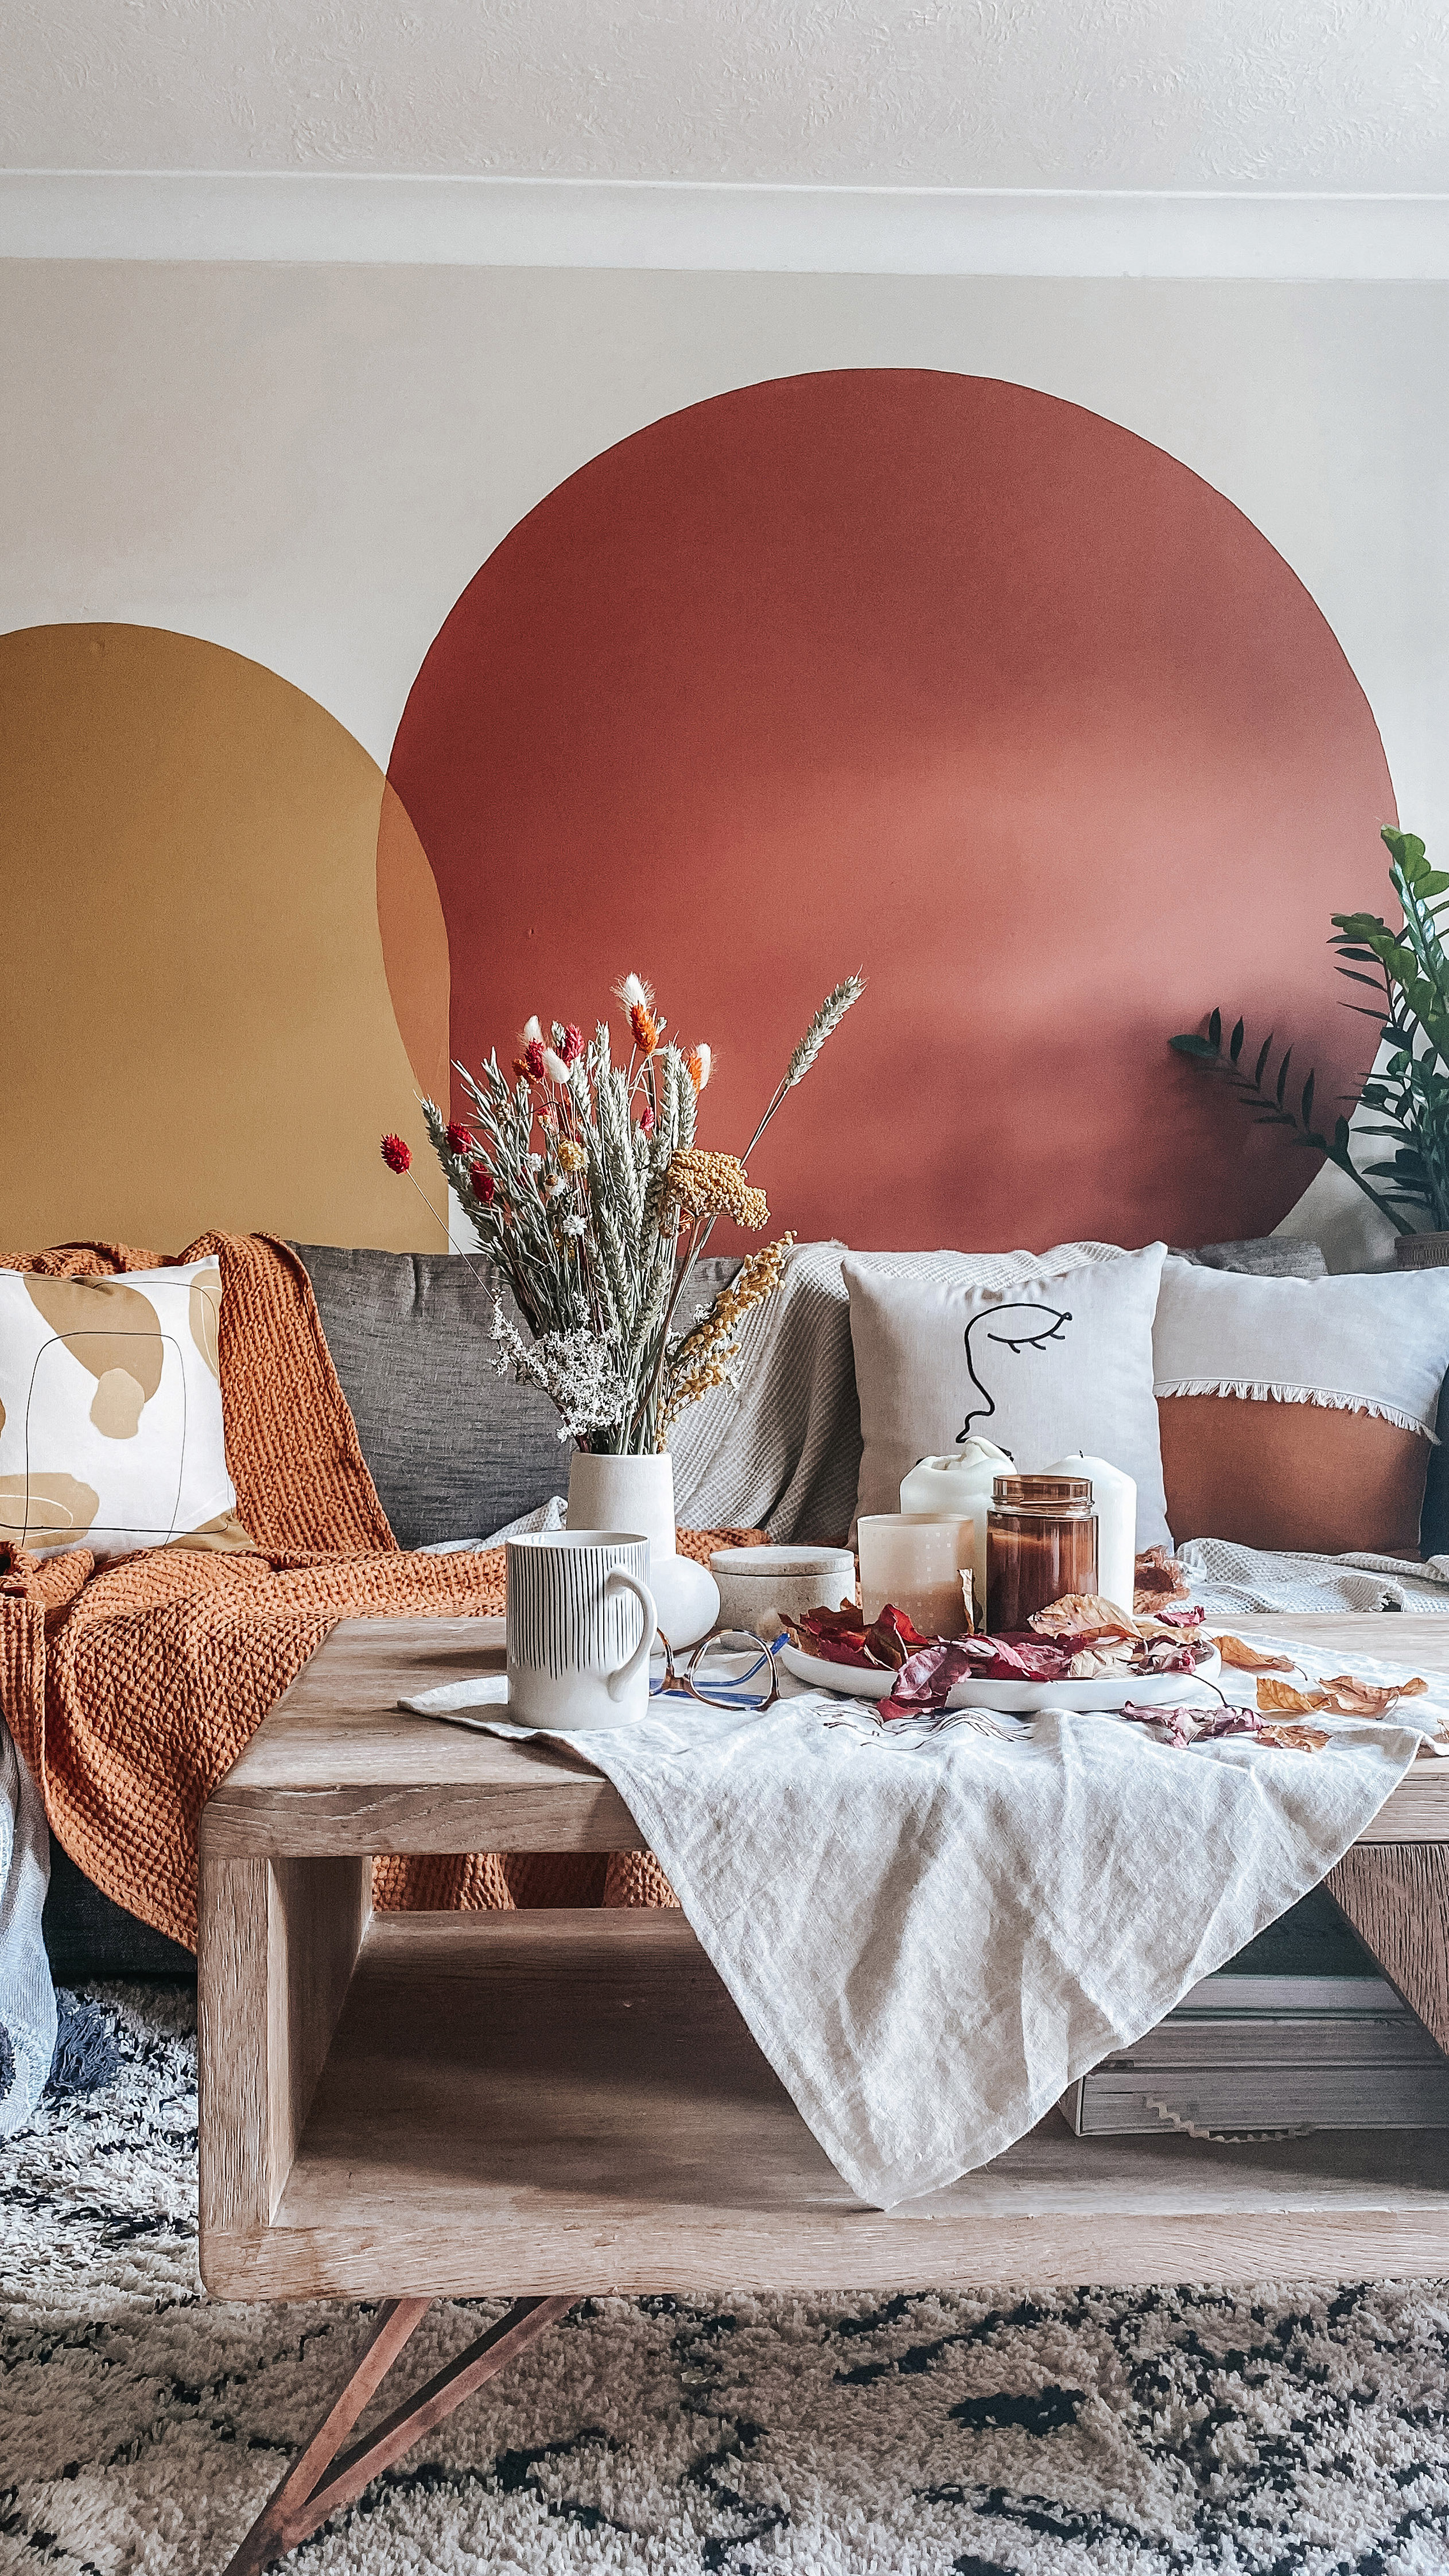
x,y
580,1625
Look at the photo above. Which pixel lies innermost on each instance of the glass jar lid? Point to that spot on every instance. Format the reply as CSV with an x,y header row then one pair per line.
x,y
1039,1493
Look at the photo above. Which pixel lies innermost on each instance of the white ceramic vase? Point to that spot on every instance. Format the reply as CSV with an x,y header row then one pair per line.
x,y
613,1492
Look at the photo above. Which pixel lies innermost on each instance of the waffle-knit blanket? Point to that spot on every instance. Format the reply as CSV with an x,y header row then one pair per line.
x,y
130,1688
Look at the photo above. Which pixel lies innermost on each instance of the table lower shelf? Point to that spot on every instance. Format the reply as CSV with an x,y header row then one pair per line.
x,y
569,2102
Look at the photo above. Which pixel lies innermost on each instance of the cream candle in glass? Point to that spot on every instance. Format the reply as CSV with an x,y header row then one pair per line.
x,y
1114,1497
956,1485
916,1562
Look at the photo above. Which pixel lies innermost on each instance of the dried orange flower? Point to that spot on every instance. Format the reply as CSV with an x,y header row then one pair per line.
x,y
638,1000
699,1065
715,1185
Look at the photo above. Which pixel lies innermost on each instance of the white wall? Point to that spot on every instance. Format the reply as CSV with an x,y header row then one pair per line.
x,y
308,464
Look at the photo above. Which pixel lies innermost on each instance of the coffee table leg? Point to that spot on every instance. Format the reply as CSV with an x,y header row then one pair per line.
x,y
313,2488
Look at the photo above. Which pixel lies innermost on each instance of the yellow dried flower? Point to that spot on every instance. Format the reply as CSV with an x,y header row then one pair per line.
x,y
571,1157
702,1359
715,1185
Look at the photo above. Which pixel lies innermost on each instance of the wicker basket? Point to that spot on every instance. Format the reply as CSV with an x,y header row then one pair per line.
x,y
1421,1252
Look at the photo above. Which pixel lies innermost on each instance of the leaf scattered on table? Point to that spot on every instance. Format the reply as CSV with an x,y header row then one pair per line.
x,y
1280,1699
1353,1698
1243,1658
1341,1695
1294,1739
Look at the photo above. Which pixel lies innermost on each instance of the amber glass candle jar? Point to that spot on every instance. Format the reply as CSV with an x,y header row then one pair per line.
x,y
1041,1541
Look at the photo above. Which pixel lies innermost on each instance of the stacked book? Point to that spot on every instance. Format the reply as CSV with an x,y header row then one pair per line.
x,y
1300,2031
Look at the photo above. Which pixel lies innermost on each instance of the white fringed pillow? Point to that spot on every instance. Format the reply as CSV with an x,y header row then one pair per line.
x,y
1299,1413
1041,1352
110,1412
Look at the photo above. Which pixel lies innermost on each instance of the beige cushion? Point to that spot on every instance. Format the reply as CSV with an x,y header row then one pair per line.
x,y
1041,1352
110,1412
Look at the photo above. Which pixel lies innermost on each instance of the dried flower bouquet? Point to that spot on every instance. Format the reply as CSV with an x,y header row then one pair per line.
x,y
586,1187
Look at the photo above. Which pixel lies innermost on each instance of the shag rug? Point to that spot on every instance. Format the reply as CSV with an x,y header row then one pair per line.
x,y
1284,2427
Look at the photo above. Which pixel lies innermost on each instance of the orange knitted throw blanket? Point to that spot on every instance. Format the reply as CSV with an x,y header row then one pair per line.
x,y
131,1688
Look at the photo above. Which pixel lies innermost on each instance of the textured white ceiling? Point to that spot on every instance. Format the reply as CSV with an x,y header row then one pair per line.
x,y
1312,94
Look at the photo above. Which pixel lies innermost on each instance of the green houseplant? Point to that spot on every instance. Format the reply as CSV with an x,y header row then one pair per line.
x,y
1407,970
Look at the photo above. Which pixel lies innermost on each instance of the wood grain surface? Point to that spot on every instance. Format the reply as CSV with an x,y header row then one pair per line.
x,y
561,2103
534,2103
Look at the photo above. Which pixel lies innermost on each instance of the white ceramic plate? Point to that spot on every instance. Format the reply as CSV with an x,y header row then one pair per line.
x,y
1012,1699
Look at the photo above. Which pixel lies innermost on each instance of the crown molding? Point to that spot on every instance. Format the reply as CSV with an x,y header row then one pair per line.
x,y
682,224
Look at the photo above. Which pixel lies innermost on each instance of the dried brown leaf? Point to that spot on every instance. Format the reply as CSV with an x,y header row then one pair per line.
x,y
1352,1698
1243,1658
1294,1739
1083,1614
1280,1699
1158,1577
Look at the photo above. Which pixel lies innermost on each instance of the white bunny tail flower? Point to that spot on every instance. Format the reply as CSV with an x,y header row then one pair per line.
x,y
699,1061
531,1034
634,993
554,1065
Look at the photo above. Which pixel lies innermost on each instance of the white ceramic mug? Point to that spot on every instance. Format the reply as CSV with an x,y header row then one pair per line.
x,y
581,1622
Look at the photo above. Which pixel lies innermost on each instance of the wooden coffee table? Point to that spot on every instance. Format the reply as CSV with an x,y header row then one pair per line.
x,y
556,2104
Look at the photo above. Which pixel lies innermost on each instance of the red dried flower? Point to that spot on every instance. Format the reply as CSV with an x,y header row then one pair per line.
x,y
533,1059
573,1043
462,1139
397,1153
646,1122
484,1185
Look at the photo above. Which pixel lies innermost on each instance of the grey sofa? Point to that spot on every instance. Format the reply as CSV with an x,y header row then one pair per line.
x,y
457,1451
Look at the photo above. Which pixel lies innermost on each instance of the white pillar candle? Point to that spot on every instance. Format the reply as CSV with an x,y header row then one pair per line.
x,y
958,1486
1114,1498
918,1563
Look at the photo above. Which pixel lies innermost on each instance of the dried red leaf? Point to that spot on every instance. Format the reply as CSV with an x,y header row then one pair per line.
x,y
926,1680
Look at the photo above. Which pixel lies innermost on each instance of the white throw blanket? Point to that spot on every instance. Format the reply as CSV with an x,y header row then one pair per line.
x,y
27,1996
1227,1578
931,1934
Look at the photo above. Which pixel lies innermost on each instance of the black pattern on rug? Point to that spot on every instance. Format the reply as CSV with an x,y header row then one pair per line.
x,y
1286,2430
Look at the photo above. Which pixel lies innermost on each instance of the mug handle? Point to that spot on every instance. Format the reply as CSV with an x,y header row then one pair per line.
x,y
618,1580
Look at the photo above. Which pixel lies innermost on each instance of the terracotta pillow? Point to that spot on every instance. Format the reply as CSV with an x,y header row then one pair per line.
x,y
1294,1476
1299,1413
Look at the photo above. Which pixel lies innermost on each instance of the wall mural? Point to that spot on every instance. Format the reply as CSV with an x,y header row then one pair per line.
x,y
198,1027
920,672
942,677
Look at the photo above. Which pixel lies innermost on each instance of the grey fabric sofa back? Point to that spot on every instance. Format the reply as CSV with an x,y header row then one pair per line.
x,y
455,1450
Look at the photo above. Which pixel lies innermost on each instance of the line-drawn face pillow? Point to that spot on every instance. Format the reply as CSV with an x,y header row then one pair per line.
x,y
1043,1353
110,1412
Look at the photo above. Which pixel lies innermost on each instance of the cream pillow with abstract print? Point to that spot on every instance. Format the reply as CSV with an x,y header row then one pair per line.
x,y
110,1412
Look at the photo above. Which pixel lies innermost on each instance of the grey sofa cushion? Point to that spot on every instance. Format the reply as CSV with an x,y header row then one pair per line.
x,y
87,1935
1268,1256
455,1450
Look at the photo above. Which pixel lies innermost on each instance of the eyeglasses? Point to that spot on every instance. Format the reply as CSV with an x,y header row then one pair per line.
x,y
735,1669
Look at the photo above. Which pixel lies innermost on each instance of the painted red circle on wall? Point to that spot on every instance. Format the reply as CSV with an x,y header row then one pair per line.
x,y
940,677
